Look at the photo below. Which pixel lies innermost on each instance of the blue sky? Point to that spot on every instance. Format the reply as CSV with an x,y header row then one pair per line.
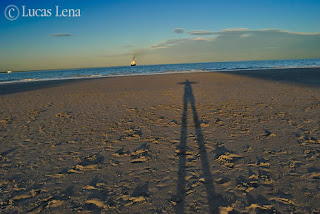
x,y
109,33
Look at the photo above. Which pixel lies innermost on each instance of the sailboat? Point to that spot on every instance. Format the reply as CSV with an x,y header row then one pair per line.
x,y
133,63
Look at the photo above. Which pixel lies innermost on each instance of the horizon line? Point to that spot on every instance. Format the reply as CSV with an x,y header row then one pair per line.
x,y
70,68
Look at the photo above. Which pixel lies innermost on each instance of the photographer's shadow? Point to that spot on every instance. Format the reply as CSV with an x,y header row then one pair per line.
x,y
213,199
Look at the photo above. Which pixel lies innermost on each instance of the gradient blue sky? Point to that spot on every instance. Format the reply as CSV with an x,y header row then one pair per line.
x,y
109,33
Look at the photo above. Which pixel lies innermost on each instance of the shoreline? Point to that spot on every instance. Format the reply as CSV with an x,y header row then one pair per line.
x,y
94,76
13,87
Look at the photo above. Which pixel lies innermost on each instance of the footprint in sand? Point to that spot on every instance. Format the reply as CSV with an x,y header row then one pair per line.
x,y
64,115
141,154
226,157
139,194
89,163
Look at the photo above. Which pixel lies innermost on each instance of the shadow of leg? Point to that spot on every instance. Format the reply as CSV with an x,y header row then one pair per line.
x,y
211,195
182,160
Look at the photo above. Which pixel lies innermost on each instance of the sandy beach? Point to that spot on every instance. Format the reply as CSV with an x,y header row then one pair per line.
x,y
218,142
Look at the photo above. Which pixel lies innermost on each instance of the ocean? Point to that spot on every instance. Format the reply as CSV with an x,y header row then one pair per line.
x,y
46,75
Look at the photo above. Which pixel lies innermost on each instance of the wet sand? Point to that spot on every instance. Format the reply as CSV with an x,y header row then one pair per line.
x,y
238,142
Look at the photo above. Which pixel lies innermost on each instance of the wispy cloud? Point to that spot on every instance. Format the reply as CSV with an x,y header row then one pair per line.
x,y
235,30
239,44
245,32
178,30
61,34
204,39
201,32
229,45
225,31
168,43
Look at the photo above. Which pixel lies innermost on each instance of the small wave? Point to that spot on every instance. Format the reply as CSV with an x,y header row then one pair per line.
x,y
296,66
27,80
85,76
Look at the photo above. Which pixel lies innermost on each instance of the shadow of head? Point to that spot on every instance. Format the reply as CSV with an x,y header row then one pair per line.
x,y
187,82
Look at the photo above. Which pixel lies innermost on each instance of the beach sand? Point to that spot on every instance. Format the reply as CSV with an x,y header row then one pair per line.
x,y
228,142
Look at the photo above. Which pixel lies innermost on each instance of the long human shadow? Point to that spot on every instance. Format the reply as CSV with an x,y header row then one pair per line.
x,y
181,190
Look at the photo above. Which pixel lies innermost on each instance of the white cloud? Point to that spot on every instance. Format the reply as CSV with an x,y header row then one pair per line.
x,y
204,39
235,29
246,31
285,31
201,32
231,44
206,32
167,43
